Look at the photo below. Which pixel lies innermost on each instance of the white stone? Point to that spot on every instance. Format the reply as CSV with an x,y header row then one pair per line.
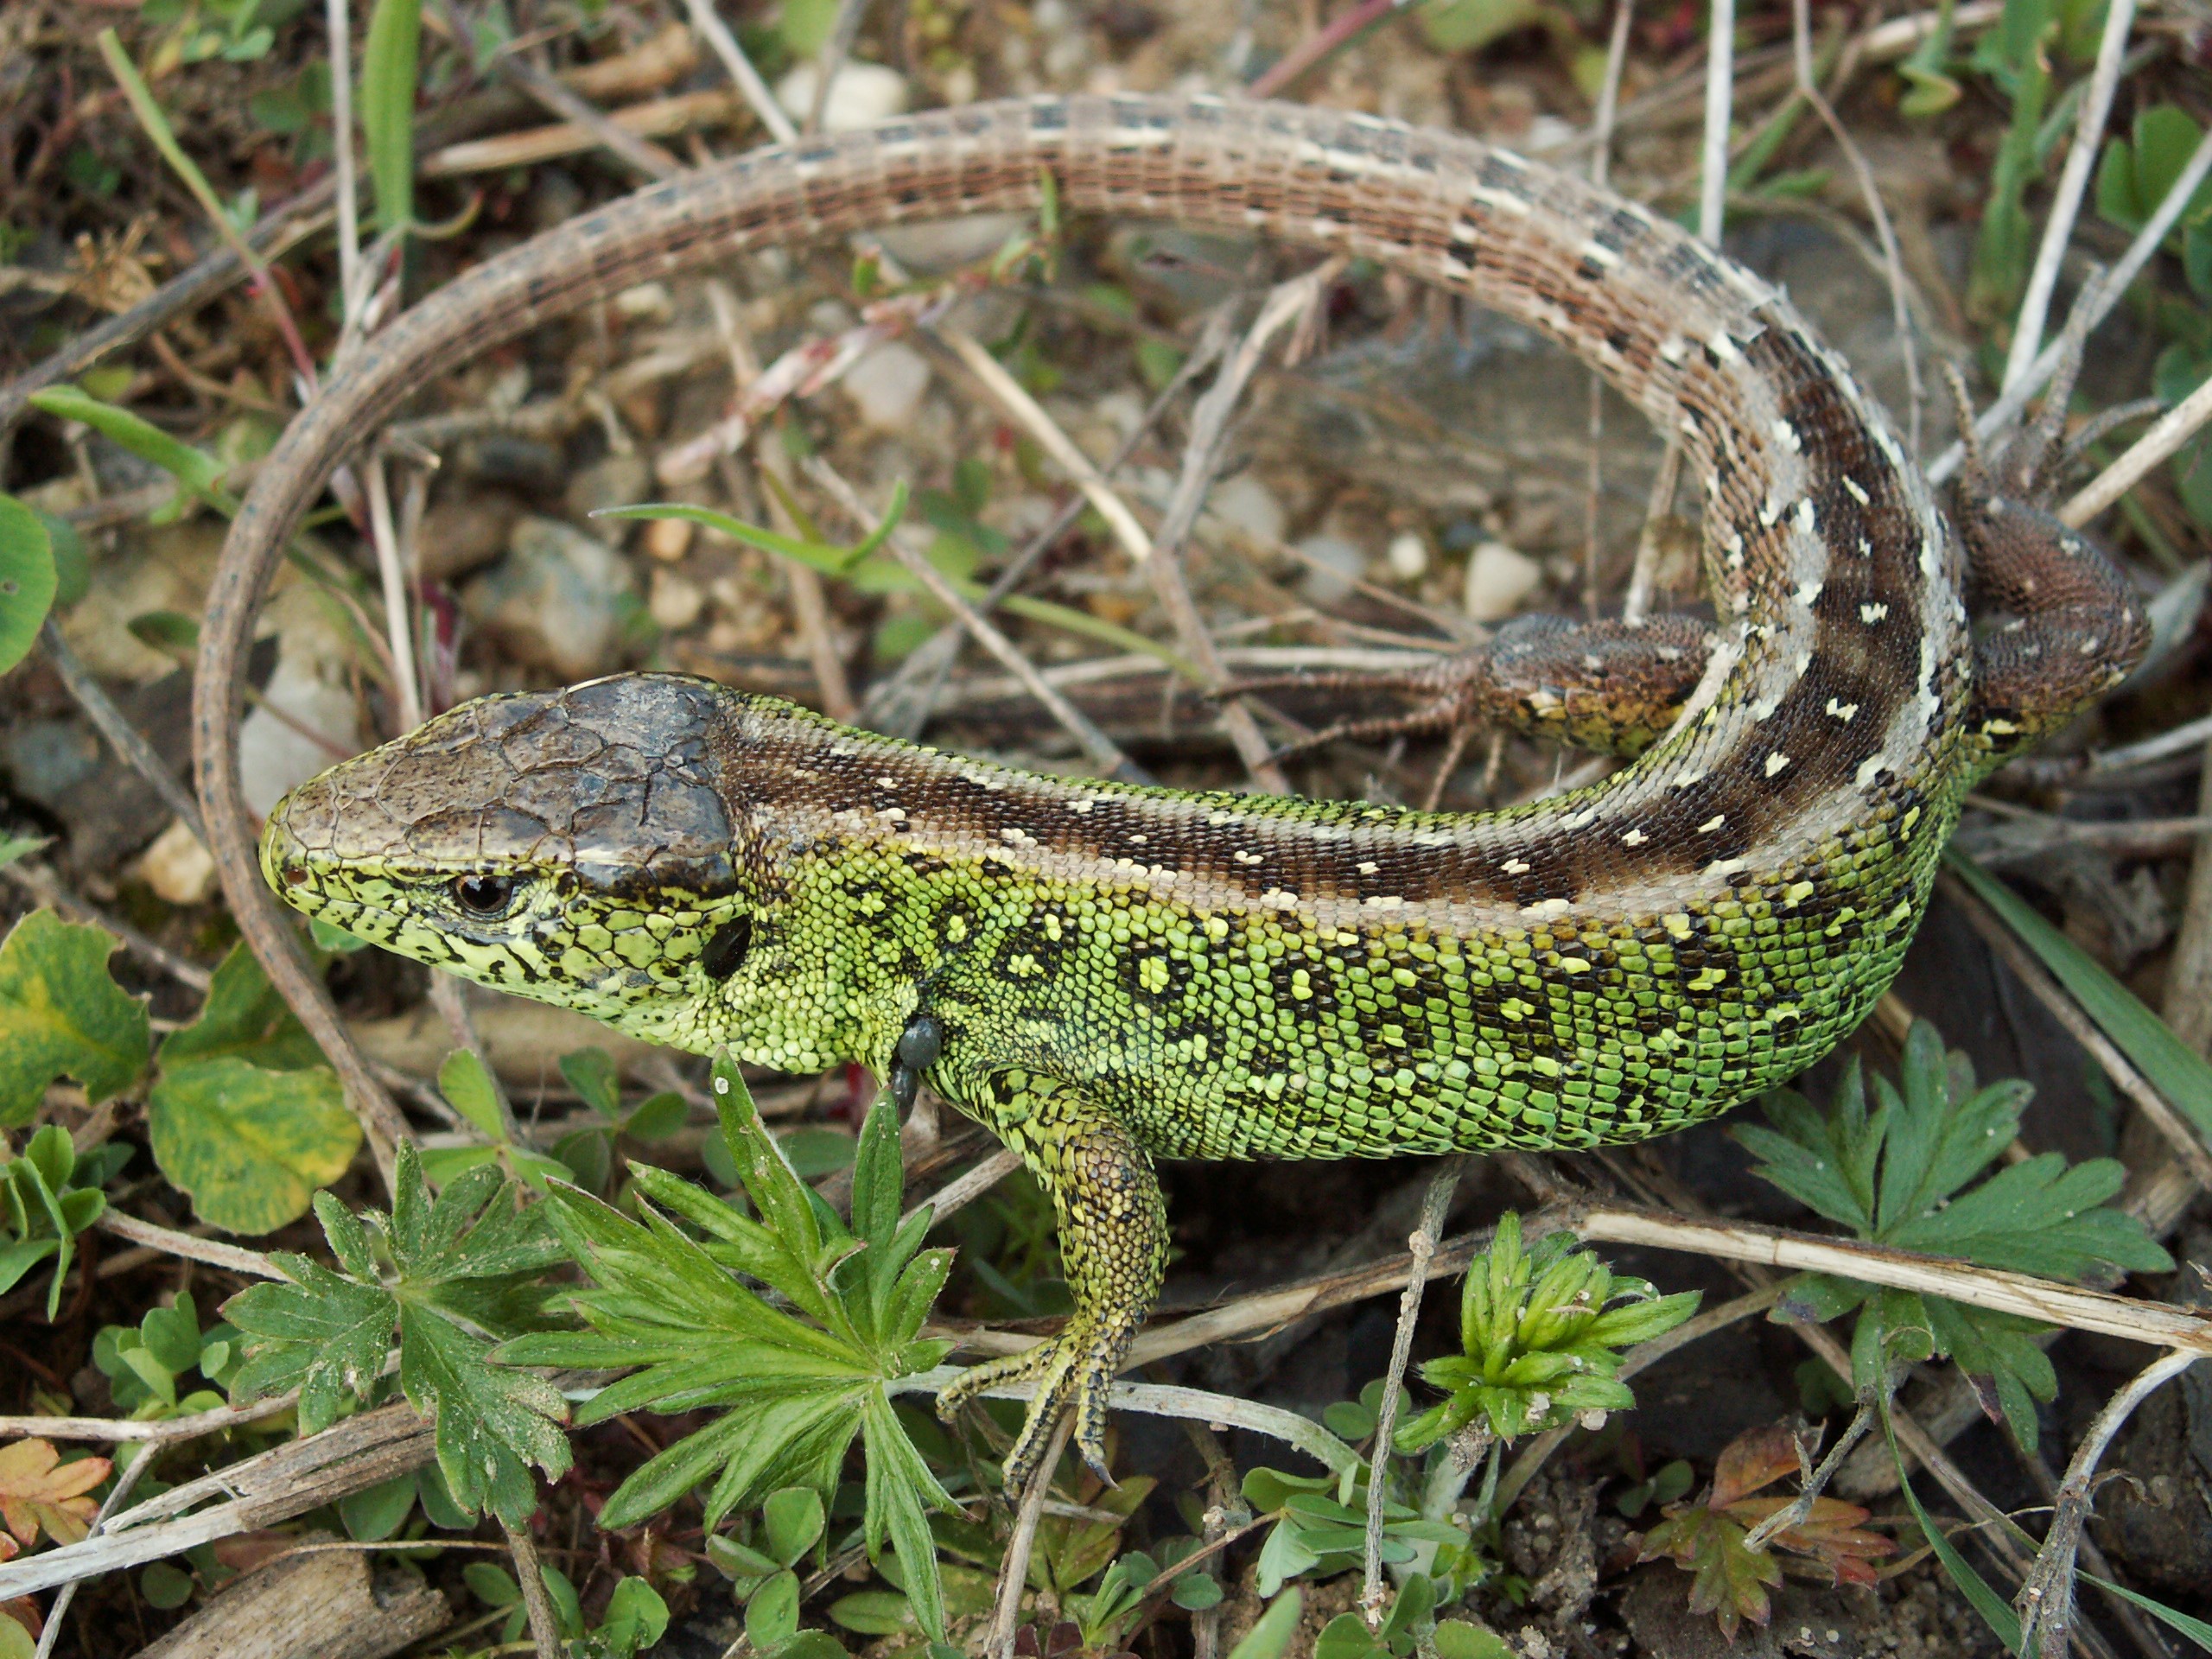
x,y
274,756
938,245
1409,557
886,385
1244,503
1332,564
1498,579
177,867
674,601
862,95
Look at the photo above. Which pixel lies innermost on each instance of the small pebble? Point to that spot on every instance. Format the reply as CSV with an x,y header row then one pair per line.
x,y
674,601
669,539
1498,579
887,384
1246,504
177,867
863,94
1409,557
1332,565
459,536
275,756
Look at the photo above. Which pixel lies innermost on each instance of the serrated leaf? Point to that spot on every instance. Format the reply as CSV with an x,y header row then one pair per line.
x,y
41,1493
61,1014
251,1146
322,1333
799,1382
461,1264
28,580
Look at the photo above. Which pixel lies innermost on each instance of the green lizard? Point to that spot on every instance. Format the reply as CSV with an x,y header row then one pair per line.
x,y
1105,974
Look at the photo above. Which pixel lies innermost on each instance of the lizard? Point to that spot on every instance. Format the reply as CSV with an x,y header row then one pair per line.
x,y
1105,974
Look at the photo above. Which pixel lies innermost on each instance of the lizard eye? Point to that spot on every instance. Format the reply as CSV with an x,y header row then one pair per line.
x,y
485,896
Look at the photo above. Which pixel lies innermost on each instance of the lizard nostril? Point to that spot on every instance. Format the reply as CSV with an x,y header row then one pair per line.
x,y
296,877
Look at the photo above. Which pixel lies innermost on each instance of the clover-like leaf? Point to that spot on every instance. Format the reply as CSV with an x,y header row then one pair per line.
x,y
62,1015
251,1145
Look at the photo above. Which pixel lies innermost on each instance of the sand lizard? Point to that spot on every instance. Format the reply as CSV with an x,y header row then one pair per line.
x,y
1103,974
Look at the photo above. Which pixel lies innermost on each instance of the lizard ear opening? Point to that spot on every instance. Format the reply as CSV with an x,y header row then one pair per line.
x,y
725,951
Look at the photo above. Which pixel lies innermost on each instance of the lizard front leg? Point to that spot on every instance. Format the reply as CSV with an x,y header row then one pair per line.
x,y
1113,1227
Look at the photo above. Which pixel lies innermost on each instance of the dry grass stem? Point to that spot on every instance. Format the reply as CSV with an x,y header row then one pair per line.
x,y
2066,199
1435,1205
2046,1599
2171,430
1014,1569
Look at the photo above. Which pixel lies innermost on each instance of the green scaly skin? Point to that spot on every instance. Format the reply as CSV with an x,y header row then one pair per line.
x,y
1103,975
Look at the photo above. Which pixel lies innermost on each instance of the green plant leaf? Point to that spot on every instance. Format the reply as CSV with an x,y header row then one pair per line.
x,y
1898,1175
27,580
2174,1069
197,473
799,1380
389,75
61,1014
463,1269
249,1145
243,1018
1999,1616
1270,1636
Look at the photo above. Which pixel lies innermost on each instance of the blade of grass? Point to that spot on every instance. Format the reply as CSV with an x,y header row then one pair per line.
x,y
2177,1071
389,69
2195,1629
196,471
155,123
1992,1608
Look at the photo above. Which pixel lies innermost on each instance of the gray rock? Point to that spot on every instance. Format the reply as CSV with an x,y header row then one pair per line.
x,y
560,599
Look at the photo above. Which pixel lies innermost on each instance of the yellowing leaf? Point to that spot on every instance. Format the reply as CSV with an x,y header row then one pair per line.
x,y
251,1146
61,1015
39,1492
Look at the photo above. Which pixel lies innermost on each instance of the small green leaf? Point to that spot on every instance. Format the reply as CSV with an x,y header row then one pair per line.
x,y
636,1618
28,582
772,1614
375,1512
468,1089
1270,1637
590,1073
1457,1638
793,1520
251,1146
166,1588
197,473
61,1014
658,1117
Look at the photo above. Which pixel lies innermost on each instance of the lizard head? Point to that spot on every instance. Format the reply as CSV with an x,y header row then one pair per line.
x,y
574,847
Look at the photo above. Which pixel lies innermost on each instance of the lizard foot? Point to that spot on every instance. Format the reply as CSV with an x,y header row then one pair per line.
x,y
1074,1368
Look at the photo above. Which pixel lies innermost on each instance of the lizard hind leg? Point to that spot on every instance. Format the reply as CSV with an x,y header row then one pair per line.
x,y
1113,1231
2072,627
1608,686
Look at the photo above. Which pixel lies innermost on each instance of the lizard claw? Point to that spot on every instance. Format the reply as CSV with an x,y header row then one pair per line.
x,y
1073,1369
